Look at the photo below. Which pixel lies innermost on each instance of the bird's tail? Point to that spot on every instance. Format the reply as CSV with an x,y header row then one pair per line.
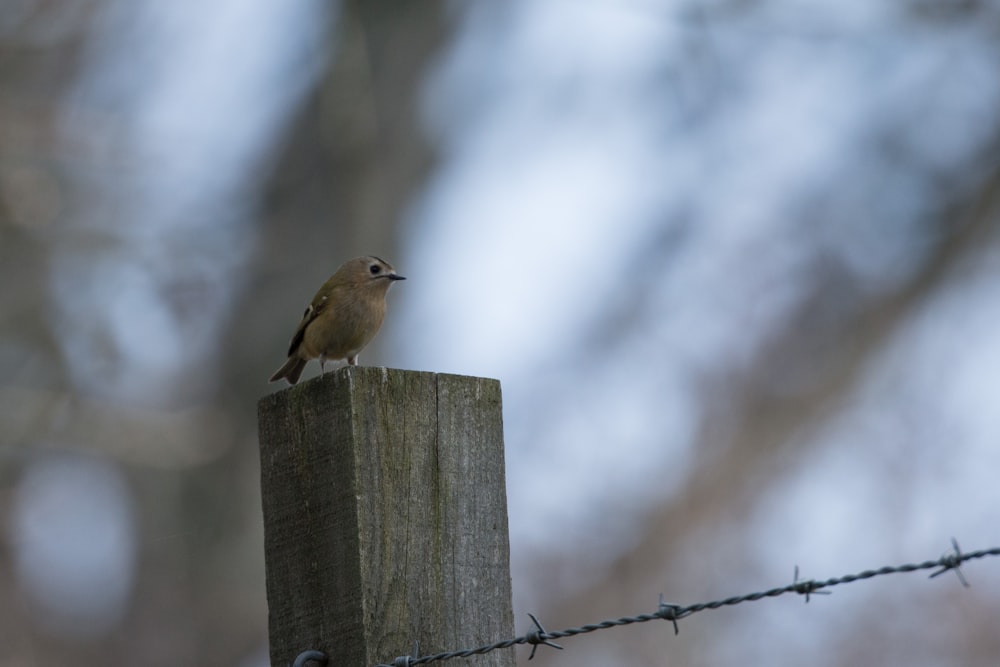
x,y
291,370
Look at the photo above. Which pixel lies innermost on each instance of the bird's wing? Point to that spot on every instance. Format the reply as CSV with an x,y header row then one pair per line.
x,y
312,312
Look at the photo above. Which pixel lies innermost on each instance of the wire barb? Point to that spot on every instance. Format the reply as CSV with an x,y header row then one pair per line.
x,y
669,612
952,561
539,636
807,587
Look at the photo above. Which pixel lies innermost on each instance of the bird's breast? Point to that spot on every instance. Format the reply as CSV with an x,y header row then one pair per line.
x,y
343,328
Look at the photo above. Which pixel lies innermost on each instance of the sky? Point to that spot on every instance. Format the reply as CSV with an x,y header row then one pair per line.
x,y
584,146
642,195
192,86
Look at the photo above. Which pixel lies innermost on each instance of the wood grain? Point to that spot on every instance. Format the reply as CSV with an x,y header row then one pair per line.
x,y
385,516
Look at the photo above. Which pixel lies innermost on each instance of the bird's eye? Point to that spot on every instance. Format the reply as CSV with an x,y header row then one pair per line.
x,y
375,269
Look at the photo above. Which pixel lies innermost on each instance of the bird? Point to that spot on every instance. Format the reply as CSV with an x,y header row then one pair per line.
x,y
342,318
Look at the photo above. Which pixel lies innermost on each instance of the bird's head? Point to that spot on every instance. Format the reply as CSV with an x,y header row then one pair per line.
x,y
371,272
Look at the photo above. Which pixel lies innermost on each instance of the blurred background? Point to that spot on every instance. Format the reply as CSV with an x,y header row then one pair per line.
x,y
735,262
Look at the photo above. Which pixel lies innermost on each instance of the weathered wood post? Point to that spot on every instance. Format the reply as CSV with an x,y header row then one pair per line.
x,y
385,517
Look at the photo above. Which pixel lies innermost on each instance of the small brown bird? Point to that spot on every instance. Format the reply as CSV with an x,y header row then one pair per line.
x,y
343,317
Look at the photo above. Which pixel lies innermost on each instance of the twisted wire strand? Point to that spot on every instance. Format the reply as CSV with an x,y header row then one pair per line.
x,y
673,613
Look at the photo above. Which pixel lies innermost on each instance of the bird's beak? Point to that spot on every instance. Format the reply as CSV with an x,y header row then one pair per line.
x,y
396,276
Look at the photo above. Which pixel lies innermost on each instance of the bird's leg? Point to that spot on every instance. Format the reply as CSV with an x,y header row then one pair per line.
x,y
322,364
352,361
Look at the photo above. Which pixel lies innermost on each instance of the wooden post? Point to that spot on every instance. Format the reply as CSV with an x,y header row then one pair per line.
x,y
385,517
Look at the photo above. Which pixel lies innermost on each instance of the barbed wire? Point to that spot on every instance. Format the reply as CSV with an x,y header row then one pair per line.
x,y
673,612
